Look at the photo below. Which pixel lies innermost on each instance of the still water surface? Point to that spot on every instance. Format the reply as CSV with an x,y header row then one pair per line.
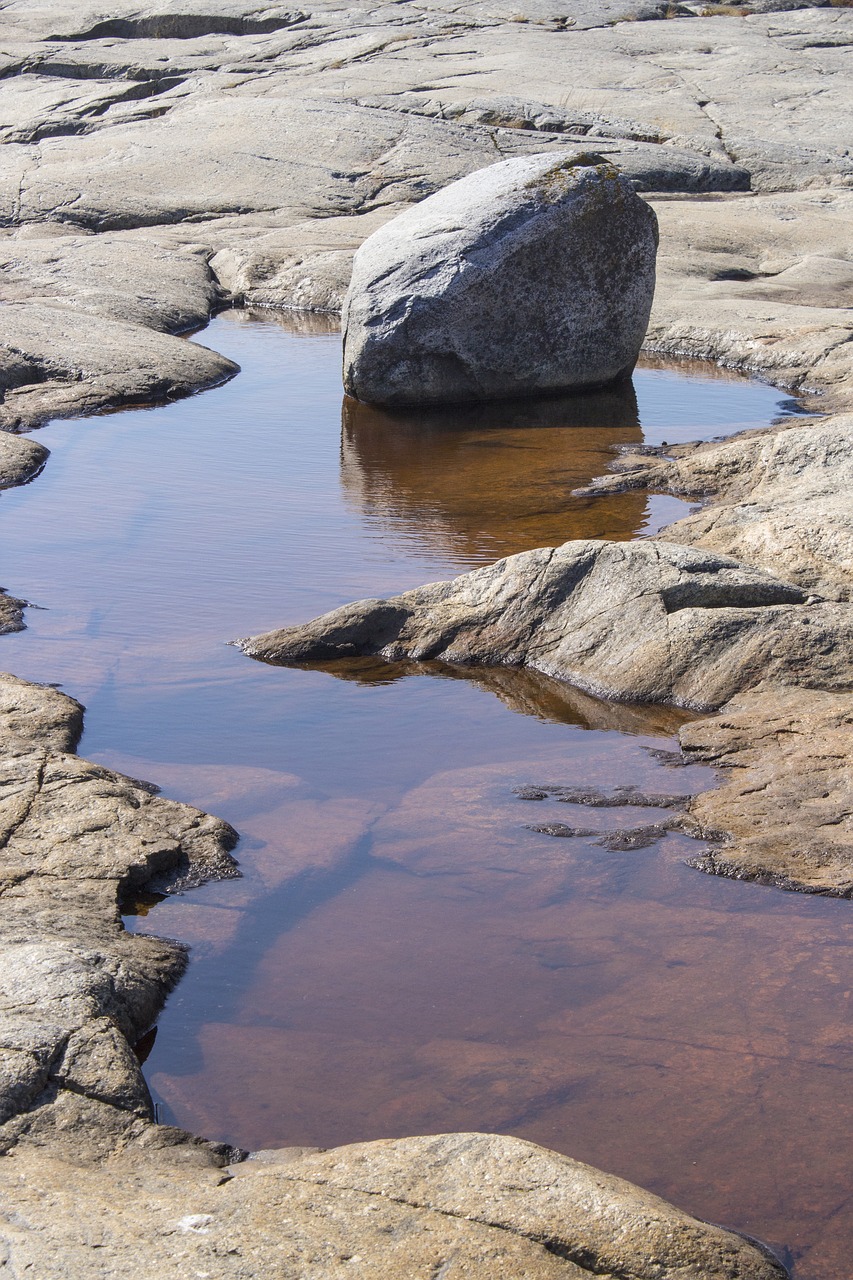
x,y
403,954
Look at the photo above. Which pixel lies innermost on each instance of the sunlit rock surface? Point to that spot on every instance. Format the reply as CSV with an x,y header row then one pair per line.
x,y
642,622
530,276
779,498
158,163
455,1205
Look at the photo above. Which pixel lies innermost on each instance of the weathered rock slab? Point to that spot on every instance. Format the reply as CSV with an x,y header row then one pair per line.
x,y
256,136
129,279
786,798
646,621
777,498
55,362
453,1205
533,275
76,990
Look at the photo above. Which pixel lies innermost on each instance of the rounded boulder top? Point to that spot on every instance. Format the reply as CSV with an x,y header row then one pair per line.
x,y
532,276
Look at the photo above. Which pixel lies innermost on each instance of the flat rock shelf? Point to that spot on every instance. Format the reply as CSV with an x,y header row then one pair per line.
x,y
464,902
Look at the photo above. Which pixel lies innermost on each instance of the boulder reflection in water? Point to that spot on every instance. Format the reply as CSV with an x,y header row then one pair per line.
x,y
489,480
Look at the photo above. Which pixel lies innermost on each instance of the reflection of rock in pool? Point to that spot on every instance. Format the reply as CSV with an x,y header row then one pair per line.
x,y
523,690
485,481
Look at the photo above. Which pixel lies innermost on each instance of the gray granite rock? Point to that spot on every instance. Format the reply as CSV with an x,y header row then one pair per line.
x,y
76,991
533,275
645,621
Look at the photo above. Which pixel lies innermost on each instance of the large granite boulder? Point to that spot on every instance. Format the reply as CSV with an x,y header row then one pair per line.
x,y
532,276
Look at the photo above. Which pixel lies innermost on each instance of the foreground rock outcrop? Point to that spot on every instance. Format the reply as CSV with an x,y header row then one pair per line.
x,y
531,276
53,364
455,1205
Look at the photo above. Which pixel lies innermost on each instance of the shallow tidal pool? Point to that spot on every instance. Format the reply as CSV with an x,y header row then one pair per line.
x,y
403,954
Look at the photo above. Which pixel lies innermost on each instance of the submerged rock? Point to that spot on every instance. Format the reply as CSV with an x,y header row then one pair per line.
x,y
534,275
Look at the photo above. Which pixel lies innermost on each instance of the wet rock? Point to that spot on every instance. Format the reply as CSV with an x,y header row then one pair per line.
x,y
645,621
530,276
625,838
11,613
20,459
594,798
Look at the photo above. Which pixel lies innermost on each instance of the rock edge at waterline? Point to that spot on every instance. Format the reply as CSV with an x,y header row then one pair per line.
x,y
77,990
455,1205
640,622
657,621
533,275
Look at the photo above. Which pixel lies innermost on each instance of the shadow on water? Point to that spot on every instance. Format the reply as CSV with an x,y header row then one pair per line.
x,y
404,953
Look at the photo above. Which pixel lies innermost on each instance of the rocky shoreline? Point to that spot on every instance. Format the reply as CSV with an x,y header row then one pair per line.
x,y
162,163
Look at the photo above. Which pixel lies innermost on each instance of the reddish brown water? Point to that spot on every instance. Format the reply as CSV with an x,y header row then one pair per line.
x,y
403,954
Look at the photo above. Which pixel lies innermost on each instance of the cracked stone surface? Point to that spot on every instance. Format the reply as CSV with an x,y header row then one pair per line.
x,y
76,990
777,498
786,803
160,161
